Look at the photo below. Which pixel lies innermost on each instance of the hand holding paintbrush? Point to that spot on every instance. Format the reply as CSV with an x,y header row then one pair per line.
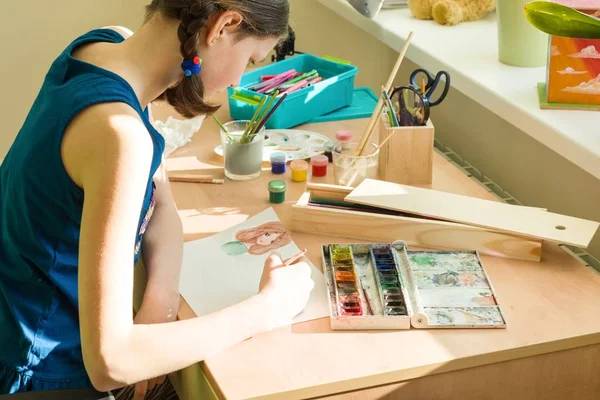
x,y
285,286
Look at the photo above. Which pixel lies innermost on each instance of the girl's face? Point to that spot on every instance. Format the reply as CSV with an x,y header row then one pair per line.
x,y
266,239
225,57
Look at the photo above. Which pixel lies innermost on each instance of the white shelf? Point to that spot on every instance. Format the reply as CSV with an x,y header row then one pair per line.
x,y
469,52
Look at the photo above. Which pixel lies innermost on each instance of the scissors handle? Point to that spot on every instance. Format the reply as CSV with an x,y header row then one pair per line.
x,y
436,81
429,78
431,84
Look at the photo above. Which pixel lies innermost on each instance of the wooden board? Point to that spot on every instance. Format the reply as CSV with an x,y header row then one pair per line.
x,y
418,232
493,215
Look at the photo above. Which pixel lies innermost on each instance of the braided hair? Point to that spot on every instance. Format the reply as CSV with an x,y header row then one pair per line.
x,y
261,19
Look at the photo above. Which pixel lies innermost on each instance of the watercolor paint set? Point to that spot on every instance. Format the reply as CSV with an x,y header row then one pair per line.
x,y
386,286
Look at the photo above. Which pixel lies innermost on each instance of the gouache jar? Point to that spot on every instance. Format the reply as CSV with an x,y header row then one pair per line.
x,y
299,170
278,160
345,139
328,148
319,165
277,192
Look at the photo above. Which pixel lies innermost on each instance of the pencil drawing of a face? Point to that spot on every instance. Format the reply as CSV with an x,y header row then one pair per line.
x,y
264,238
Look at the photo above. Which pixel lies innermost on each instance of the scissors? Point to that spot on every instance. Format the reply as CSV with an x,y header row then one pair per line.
x,y
431,84
413,103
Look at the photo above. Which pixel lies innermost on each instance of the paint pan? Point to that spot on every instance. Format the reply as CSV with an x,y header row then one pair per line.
x,y
347,294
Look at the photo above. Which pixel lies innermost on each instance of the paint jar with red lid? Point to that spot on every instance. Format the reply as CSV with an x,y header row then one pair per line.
x,y
345,139
319,165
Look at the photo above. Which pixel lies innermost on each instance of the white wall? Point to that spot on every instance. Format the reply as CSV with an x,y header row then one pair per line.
x,y
33,33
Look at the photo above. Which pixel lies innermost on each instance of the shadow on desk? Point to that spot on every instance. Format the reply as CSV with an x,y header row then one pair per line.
x,y
570,374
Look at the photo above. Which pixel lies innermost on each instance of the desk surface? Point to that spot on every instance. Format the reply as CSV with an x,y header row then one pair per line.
x,y
507,91
549,306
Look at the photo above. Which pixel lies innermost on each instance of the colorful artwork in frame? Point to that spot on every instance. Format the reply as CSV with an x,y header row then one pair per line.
x,y
574,70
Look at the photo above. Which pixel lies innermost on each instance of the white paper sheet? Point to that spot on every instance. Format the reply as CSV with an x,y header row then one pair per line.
x,y
212,280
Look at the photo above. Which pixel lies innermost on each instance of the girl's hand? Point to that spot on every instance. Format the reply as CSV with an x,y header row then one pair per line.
x,y
153,312
285,289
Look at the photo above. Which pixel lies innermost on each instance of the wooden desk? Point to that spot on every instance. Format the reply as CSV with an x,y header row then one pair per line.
x,y
550,349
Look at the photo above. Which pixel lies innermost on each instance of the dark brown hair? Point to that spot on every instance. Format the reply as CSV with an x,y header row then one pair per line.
x,y
261,19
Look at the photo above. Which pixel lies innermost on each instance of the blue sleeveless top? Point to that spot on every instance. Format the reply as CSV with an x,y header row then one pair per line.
x,y
40,216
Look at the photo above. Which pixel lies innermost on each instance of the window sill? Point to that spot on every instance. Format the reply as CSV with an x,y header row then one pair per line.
x,y
469,52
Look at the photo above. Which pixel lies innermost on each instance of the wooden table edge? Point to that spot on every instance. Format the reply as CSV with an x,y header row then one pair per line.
x,y
393,377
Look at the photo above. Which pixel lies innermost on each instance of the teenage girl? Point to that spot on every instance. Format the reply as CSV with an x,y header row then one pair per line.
x,y
84,194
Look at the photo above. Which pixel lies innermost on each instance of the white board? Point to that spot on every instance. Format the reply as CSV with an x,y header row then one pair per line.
x,y
212,280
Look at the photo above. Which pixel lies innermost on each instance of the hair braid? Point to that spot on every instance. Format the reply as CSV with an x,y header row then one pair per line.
x,y
260,18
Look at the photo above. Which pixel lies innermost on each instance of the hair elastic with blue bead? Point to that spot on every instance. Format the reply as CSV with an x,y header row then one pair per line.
x,y
192,66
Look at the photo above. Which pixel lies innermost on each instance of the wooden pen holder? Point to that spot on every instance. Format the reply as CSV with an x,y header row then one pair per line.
x,y
407,157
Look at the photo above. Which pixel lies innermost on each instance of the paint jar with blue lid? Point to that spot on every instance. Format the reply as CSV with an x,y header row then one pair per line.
x,y
278,160
277,191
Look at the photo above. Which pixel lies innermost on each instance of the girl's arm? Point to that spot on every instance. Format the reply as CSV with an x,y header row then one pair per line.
x,y
162,252
107,151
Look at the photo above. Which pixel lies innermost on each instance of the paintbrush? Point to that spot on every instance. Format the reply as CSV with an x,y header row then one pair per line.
x,y
191,178
392,113
247,132
270,114
366,137
218,121
295,258
262,114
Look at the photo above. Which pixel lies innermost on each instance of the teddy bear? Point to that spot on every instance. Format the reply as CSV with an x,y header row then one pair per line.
x,y
451,12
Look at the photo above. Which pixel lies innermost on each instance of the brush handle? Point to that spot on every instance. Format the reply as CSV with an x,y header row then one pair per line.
x,y
190,178
294,258
366,137
270,114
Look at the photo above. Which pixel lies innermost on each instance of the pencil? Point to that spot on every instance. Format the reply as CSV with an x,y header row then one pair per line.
x,y
191,178
295,258
423,87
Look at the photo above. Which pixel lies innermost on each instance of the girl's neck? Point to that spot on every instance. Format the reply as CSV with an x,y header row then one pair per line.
x,y
152,56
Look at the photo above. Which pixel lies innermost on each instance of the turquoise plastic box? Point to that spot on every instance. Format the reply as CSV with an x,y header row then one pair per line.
x,y
332,93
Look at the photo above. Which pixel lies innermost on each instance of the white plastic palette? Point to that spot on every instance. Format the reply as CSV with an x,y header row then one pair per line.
x,y
296,144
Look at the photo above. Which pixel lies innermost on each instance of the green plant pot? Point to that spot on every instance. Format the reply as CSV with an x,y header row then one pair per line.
x,y
519,43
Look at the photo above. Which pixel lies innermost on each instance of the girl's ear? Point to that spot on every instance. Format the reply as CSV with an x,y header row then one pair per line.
x,y
227,23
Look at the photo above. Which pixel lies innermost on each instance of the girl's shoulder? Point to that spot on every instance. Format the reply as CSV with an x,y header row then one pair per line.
x,y
123,31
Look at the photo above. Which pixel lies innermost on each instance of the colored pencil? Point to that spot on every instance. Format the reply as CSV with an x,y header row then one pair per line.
x,y
275,83
270,81
297,86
